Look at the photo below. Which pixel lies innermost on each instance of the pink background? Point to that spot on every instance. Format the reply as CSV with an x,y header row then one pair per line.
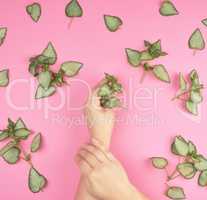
x,y
101,51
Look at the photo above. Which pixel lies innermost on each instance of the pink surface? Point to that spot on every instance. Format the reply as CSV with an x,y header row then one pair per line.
x,y
150,120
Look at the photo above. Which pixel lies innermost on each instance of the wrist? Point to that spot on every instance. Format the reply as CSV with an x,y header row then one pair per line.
x,y
133,194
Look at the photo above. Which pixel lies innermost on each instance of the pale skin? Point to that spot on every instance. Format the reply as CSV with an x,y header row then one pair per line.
x,y
102,175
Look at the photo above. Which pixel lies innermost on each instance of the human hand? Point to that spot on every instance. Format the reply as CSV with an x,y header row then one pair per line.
x,y
104,176
100,121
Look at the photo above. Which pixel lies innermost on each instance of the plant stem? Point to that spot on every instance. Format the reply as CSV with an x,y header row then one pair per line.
x,y
186,92
143,76
70,23
25,155
171,177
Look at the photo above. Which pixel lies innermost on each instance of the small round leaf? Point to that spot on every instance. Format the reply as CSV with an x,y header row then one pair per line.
x,y
12,155
159,162
73,9
161,73
4,78
180,146
133,57
36,181
186,170
192,107
168,9
22,133
43,93
112,22
175,193
71,68
202,180
44,79
196,40
36,143
34,10
3,33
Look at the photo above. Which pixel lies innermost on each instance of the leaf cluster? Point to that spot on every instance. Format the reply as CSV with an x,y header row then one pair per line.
x,y
192,162
108,91
191,91
141,58
40,67
13,151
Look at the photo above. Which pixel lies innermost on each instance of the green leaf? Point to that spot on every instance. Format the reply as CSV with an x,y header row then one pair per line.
x,y
110,103
104,90
22,133
155,49
44,79
147,43
36,181
19,124
191,148
133,57
11,124
3,33
4,78
182,82
42,93
159,162
49,55
194,77
201,163
175,193
196,40
112,22
6,147
180,146
145,56
73,9
204,21
192,107
34,10
186,170
12,155
4,135
195,81
36,143
202,180
71,68
161,73
195,96
33,68
117,88
168,9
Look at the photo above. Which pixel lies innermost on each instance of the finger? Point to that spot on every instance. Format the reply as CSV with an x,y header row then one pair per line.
x,y
102,148
98,143
84,166
96,152
89,158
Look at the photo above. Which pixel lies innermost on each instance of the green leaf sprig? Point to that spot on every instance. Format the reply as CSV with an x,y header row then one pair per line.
x,y
191,162
167,8
4,78
3,33
72,10
48,80
108,91
13,151
190,93
141,58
